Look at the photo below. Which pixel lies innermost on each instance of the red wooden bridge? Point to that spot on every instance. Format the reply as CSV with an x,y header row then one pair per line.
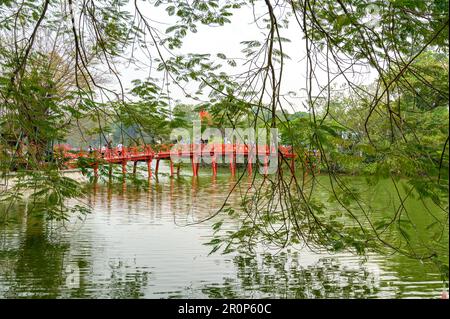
x,y
215,152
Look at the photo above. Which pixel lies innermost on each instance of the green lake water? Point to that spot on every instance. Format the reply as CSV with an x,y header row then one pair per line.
x,y
138,244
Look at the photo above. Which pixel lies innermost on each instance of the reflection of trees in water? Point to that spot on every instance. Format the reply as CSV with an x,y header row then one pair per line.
x,y
37,263
281,277
121,281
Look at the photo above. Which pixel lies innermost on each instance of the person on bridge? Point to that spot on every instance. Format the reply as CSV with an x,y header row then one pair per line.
x,y
120,149
103,150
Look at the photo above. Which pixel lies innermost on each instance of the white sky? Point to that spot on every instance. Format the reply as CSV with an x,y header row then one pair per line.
x,y
227,39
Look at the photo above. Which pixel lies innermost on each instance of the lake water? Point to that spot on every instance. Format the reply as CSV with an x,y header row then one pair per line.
x,y
138,243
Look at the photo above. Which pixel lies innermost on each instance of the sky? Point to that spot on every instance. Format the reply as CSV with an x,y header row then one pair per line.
x,y
227,39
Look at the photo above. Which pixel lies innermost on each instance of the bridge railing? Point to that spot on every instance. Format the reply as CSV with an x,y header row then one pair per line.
x,y
220,148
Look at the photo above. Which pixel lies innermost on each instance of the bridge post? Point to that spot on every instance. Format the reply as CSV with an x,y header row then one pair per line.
x,y
134,167
292,166
192,165
157,167
195,165
214,167
233,162
96,170
110,172
249,165
231,165
280,165
149,168
124,168
265,165
171,168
